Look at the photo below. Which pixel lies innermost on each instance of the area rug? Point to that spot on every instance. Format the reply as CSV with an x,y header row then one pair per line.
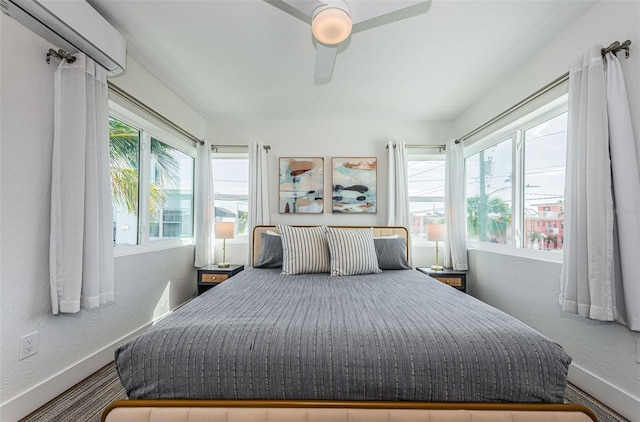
x,y
85,401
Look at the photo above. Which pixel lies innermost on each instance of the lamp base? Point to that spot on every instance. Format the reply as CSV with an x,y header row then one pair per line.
x,y
223,265
437,267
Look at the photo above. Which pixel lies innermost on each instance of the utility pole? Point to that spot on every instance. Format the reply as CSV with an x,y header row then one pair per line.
x,y
482,203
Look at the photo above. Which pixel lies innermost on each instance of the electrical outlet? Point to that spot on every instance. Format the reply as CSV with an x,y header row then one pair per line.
x,y
28,345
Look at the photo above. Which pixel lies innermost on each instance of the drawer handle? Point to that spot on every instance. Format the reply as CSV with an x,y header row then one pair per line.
x,y
213,278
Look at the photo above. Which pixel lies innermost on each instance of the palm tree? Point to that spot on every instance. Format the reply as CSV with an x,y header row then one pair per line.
x,y
498,218
124,150
535,237
243,221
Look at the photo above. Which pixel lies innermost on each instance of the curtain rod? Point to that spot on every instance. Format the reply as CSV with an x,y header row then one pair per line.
x,y
165,120
215,147
124,94
548,87
614,47
441,146
63,55
60,54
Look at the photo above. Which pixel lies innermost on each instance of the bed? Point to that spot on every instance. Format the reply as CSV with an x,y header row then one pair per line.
x,y
389,345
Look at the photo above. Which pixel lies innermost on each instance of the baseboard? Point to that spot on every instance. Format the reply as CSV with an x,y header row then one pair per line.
x,y
618,400
25,403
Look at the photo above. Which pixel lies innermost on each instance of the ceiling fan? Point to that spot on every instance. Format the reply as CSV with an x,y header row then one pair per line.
x,y
332,22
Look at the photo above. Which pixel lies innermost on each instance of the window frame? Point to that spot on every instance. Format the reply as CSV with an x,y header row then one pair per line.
x,y
193,180
515,131
118,117
149,130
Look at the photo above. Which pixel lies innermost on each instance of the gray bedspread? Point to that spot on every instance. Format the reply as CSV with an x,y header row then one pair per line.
x,y
399,335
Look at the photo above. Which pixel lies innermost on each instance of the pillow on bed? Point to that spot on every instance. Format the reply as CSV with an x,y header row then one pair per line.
x,y
304,250
271,253
392,253
352,251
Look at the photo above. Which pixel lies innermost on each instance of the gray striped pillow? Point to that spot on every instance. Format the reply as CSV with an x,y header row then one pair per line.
x,y
352,251
304,250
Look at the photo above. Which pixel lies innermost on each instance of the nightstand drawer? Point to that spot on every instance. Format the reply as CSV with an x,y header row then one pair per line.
x,y
451,281
450,277
212,275
213,278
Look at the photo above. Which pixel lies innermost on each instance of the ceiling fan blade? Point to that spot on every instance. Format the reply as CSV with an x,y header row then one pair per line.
x,y
305,6
325,62
364,10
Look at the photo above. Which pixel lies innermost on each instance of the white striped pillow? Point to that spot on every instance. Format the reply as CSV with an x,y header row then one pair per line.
x,y
352,251
304,250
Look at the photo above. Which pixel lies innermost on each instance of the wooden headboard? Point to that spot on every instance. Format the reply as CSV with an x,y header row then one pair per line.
x,y
377,232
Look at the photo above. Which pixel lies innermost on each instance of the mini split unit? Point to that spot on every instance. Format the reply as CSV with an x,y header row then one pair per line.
x,y
73,26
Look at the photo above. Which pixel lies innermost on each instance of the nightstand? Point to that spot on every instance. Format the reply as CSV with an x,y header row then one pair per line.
x,y
454,278
213,275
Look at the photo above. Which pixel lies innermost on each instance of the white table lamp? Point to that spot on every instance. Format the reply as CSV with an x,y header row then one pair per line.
x,y
224,231
437,232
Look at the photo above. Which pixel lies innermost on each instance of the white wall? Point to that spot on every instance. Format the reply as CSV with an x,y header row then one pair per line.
x,y
336,138
604,354
147,285
71,347
144,87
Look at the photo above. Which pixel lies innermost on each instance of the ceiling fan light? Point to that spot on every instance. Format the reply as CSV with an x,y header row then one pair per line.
x,y
331,25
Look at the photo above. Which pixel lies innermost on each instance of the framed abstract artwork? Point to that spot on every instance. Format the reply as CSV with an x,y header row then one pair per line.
x,y
354,185
301,185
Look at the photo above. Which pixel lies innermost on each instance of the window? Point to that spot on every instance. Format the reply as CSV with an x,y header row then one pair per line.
x,y
544,169
170,192
426,192
489,176
231,186
151,170
124,150
515,184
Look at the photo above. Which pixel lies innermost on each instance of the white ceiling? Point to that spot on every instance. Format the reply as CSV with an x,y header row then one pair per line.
x,y
251,58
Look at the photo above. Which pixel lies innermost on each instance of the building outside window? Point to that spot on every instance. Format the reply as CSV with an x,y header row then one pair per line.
x,y
544,171
170,192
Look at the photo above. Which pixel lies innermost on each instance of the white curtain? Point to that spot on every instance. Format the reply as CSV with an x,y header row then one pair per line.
x,y
455,252
258,190
398,201
398,188
204,206
626,194
81,242
599,122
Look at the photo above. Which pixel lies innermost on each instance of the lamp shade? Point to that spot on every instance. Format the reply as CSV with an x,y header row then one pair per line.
x,y
224,230
331,25
437,232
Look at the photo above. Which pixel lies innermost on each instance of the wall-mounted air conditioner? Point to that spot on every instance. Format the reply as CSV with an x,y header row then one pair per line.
x,y
73,26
